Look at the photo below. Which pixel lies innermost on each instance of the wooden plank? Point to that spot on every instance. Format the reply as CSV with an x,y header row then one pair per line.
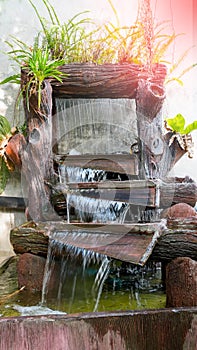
x,y
7,202
133,242
116,163
178,239
136,192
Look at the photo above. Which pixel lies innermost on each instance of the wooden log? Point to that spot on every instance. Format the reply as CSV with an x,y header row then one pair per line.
x,y
181,282
156,157
126,164
136,192
178,238
103,81
37,162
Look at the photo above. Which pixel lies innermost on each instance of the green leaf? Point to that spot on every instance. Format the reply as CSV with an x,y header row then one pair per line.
x,y
4,175
177,123
5,127
190,127
12,79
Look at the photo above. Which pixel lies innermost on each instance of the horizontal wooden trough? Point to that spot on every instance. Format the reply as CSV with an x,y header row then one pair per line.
x,y
169,329
132,242
146,193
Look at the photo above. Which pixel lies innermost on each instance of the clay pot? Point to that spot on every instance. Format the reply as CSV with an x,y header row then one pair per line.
x,y
14,147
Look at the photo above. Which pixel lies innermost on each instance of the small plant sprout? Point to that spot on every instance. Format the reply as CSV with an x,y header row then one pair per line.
x,y
181,133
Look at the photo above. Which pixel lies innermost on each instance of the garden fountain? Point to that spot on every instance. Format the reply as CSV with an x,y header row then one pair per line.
x,y
134,182
95,168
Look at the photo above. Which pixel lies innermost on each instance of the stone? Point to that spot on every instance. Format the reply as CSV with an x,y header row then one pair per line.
x,y
180,210
181,283
30,270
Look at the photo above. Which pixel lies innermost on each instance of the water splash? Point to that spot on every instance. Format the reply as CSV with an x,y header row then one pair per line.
x,y
85,175
88,209
96,210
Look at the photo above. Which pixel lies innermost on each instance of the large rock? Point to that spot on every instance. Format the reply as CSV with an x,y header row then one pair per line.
x,y
180,210
181,283
31,271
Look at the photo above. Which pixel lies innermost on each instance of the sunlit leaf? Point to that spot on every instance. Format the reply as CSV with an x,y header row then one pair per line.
x,y
177,123
191,127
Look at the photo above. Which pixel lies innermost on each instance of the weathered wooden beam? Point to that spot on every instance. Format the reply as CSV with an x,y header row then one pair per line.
x,y
37,162
12,202
178,239
137,192
103,81
105,239
117,163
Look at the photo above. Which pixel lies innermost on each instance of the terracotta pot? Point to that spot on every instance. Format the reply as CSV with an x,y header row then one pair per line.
x,y
14,147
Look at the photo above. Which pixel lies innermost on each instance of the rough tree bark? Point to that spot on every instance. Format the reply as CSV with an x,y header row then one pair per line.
x,y
178,239
37,161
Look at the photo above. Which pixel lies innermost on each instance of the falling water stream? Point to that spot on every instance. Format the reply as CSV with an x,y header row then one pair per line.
x,y
61,243
95,126
78,279
72,268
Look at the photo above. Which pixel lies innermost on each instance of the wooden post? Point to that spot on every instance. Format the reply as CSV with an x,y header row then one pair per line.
x,y
181,282
149,101
37,161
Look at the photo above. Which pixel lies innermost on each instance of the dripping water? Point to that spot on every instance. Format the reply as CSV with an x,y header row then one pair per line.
x,y
70,255
96,126
89,209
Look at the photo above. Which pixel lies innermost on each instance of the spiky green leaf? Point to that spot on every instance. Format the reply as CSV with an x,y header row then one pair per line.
x,y
12,79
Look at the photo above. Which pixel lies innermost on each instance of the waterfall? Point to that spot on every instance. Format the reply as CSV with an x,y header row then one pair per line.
x,y
69,255
95,126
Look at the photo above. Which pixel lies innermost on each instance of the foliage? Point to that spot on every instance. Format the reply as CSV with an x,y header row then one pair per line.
x,y
37,61
5,128
5,134
64,40
143,43
4,175
177,124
